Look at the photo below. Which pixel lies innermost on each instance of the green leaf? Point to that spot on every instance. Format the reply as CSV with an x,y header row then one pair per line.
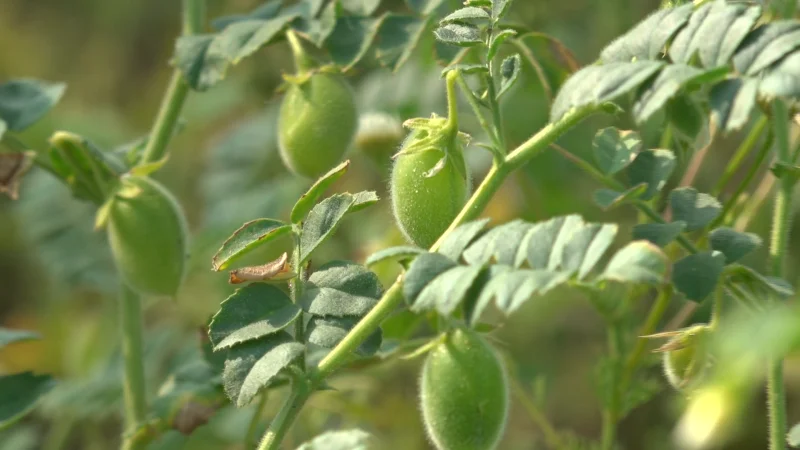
x,y
733,244
509,72
782,80
459,239
424,7
500,8
697,275
694,208
25,101
659,234
326,216
714,32
732,101
250,313
652,167
497,42
501,243
397,38
205,59
251,366
250,236
470,14
793,438
339,440
9,336
686,114
598,84
638,262
341,288
459,34
19,394
648,39
360,7
446,292
310,198
327,332
352,38
609,199
671,81
512,288
614,149
759,285
423,270
268,10
766,45
585,248
543,245
399,254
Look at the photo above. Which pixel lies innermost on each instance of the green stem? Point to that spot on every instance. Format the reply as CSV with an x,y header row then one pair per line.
x,y
612,410
476,109
134,382
653,318
716,312
250,437
740,154
452,102
781,225
495,107
177,91
751,173
288,412
551,436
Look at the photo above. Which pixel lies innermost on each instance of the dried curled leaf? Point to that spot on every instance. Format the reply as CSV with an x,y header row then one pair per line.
x,y
277,270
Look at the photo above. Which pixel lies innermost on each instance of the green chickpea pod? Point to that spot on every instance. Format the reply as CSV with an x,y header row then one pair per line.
x,y
464,393
318,118
148,236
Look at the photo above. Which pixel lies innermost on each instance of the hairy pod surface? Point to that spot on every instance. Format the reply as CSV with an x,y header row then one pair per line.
x,y
464,393
148,236
317,122
424,206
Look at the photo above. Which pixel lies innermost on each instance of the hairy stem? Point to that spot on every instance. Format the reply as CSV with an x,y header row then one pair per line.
x,y
781,224
476,109
131,305
177,91
288,412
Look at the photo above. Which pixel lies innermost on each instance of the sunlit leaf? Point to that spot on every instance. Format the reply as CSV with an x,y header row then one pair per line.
x,y
340,440
326,216
310,198
398,254
458,240
246,239
10,336
459,34
639,262
648,39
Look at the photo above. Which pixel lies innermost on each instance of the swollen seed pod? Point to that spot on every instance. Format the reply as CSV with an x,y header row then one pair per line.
x,y
425,201
316,124
148,236
685,358
464,393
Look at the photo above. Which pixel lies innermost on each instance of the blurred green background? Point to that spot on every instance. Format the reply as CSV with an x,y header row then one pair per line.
x,y
57,277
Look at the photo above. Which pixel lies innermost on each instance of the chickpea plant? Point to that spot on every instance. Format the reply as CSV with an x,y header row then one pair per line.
x,y
700,69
